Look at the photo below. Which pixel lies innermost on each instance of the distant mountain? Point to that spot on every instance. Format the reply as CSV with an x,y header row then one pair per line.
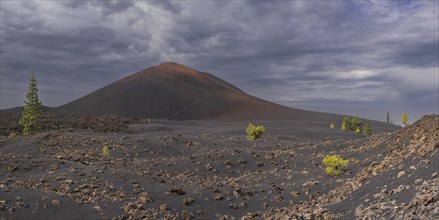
x,y
177,92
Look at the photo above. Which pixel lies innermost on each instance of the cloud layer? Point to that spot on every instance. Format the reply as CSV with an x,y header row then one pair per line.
x,y
350,57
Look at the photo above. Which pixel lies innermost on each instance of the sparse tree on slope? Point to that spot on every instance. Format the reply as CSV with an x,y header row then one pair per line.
x,y
388,117
346,124
31,118
367,130
405,119
356,123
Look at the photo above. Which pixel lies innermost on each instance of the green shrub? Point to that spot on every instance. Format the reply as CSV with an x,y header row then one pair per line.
x,y
333,164
332,171
356,124
332,125
254,132
367,130
353,124
106,151
346,124
358,131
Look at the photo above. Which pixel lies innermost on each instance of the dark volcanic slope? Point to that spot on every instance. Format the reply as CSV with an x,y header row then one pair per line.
x,y
191,173
177,92
168,90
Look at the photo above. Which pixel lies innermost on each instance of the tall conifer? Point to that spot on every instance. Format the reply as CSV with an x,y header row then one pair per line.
x,y
31,118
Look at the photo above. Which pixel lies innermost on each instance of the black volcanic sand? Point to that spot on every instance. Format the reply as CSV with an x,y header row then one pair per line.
x,y
209,170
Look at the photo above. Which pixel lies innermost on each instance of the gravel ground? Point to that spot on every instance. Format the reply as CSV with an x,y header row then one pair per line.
x,y
208,170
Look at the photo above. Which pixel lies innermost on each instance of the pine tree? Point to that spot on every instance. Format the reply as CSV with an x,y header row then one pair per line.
x,y
388,117
332,125
405,119
356,123
367,130
346,124
31,117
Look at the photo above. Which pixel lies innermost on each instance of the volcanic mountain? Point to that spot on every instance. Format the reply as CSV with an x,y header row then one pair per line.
x,y
177,92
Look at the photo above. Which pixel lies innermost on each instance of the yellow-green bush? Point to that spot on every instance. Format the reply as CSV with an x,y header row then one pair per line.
x,y
254,132
332,125
106,151
333,164
358,131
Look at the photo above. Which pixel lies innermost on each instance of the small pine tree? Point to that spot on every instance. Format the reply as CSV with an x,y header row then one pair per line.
x,y
405,119
356,123
106,151
332,125
32,116
367,130
346,124
388,117
358,131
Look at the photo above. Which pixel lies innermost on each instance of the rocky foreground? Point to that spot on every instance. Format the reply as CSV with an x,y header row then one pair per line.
x,y
62,174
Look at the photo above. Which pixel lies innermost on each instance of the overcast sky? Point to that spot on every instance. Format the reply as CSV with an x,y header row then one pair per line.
x,y
350,57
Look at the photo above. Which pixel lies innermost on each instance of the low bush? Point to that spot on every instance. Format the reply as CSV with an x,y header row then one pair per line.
x,y
333,164
254,132
332,125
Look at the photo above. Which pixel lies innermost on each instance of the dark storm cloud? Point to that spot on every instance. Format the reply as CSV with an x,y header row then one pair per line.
x,y
108,7
309,51
419,54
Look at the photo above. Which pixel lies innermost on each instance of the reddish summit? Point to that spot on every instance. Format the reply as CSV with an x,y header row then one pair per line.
x,y
178,92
